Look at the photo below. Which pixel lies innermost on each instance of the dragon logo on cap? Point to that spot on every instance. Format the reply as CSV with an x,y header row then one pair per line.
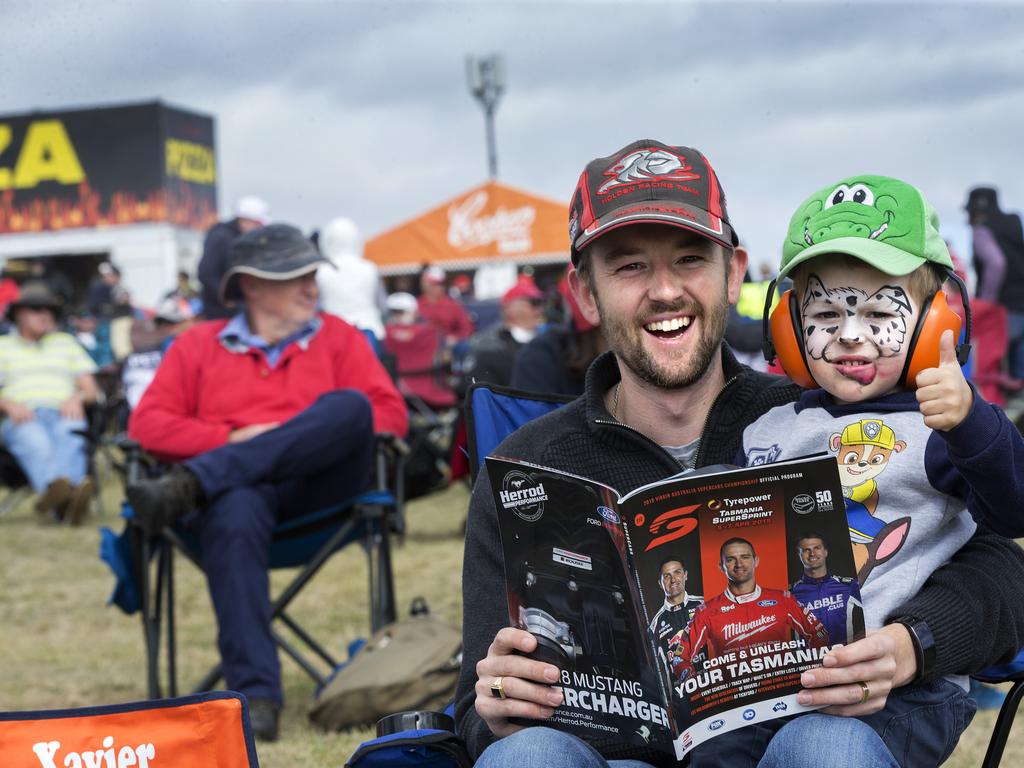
x,y
647,165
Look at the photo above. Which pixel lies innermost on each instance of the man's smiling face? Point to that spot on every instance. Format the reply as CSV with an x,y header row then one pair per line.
x,y
857,325
662,295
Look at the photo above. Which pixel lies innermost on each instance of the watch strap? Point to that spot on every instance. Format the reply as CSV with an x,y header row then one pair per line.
x,y
924,645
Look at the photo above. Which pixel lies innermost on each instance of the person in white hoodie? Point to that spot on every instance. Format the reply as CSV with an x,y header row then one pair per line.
x,y
352,291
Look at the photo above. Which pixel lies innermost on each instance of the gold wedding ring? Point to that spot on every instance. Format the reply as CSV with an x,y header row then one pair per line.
x,y
865,695
498,691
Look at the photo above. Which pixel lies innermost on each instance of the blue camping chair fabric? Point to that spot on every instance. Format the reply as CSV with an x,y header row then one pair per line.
x,y
144,569
493,413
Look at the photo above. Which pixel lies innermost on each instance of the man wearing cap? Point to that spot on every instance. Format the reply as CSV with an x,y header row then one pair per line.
x,y
272,415
250,212
46,380
999,264
657,264
492,351
441,310
555,362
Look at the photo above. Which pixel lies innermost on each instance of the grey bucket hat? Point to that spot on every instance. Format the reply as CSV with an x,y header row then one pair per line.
x,y
273,252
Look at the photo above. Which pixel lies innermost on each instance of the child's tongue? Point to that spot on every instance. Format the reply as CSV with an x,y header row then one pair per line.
x,y
862,374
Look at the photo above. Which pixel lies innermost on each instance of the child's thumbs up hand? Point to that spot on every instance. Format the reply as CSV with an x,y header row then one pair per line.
x,y
943,393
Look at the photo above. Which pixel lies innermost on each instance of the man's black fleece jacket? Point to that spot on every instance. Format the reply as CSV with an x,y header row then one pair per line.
x,y
974,605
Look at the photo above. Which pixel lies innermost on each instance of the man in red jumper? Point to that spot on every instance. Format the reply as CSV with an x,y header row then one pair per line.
x,y
271,414
744,615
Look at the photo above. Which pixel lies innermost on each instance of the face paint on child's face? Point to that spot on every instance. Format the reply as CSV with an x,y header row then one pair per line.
x,y
857,325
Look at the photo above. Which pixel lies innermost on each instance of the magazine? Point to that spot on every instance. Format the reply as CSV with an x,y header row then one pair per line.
x,y
683,609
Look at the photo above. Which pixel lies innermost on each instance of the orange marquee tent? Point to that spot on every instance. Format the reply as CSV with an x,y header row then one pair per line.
x,y
492,222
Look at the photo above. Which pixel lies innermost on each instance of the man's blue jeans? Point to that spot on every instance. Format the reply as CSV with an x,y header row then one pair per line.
x,y
47,448
1015,346
919,726
540,747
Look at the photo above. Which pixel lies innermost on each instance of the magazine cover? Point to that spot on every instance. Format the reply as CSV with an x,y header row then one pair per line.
x,y
686,608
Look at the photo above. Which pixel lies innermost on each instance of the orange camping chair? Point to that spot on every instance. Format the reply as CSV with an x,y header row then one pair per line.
x,y
203,729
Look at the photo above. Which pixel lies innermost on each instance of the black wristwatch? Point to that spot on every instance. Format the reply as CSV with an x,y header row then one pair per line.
x,y
924,645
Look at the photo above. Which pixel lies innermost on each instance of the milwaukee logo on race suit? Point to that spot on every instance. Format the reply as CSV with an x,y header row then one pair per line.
x,y
727,622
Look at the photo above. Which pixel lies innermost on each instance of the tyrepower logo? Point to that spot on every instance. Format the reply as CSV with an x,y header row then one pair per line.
x,y
523,496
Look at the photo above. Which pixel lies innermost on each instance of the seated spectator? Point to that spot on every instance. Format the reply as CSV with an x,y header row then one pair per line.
x,y
555,362
402,309
93,335
272,414
420,361
441,310
351,290
492,352
45,383
174,317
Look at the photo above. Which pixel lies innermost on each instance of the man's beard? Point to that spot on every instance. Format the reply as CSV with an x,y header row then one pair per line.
x,y
624,340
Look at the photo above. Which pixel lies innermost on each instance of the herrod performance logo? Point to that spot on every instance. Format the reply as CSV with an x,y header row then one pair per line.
x,y
523,496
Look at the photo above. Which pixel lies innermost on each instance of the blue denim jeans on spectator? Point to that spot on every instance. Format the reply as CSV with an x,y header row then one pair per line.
x,y
919,726
1015,346
47,447
540,747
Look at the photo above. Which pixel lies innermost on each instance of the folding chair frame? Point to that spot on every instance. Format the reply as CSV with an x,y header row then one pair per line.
x,y
372,516
1007,713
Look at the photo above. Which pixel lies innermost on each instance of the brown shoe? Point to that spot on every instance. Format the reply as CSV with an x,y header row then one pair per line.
x,y
55,497
78,505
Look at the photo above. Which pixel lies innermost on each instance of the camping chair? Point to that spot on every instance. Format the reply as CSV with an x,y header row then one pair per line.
x,y
145,568
493,413
208,729
1004,673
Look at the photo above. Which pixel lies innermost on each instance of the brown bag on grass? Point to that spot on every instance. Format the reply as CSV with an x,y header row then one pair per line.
x,y
409,665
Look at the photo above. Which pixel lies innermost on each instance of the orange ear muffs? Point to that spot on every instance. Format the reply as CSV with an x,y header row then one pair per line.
x,y
781,337
787,336
935,318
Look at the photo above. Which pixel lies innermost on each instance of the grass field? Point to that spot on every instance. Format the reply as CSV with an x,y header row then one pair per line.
x,y
62,646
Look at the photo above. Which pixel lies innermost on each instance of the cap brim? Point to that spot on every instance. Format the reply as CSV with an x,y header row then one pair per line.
x,y
681,216
885,258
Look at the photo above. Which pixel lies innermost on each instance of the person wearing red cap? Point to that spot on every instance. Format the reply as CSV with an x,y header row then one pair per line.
x,y
440,310
492,351
556,360
658,265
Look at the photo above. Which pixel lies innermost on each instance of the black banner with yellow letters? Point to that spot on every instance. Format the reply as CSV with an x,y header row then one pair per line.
x,y
107,166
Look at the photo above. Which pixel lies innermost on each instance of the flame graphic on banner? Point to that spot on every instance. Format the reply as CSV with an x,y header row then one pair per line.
x,y
181,208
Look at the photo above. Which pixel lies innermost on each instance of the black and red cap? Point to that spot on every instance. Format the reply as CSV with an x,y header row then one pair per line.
x,y
649,182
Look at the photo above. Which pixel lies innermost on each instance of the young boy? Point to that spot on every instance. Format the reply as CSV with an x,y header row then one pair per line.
x,y
917,459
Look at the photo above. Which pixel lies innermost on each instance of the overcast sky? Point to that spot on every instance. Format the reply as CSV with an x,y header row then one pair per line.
x,y
362,109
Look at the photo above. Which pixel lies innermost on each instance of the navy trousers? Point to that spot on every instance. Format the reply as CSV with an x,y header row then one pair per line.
x,y
319,458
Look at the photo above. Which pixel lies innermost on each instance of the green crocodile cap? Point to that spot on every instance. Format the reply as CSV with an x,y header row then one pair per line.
x,y
879,220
